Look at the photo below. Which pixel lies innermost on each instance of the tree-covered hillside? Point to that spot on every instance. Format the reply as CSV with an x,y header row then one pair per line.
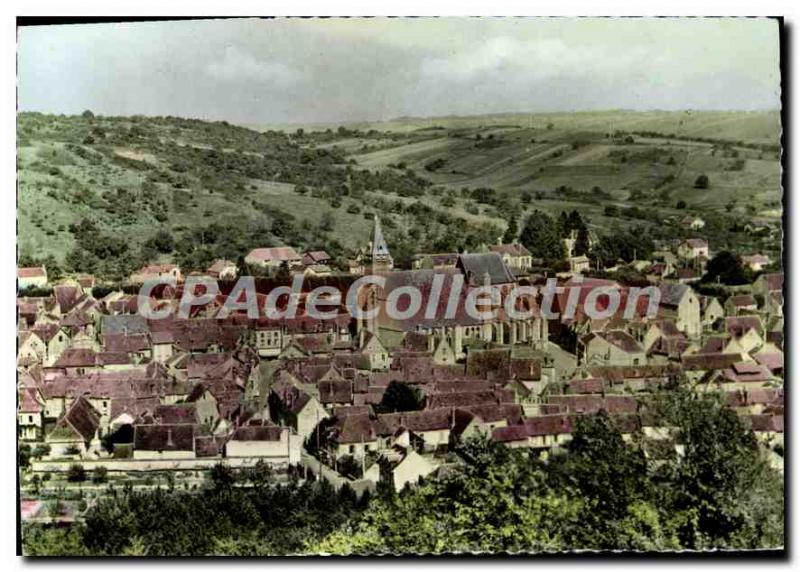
x,y
108,194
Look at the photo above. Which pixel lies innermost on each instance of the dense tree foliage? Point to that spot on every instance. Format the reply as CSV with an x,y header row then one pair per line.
x,y
224,518
715,490
602,492
726,267
542,236
401,396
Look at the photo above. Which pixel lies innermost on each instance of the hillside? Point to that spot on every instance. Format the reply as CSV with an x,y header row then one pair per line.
x,y
105,195
761,127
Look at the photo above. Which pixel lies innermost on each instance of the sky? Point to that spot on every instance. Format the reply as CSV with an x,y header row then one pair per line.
x,y
304,71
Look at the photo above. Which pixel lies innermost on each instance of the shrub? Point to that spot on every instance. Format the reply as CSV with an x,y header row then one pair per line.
x,y
76,473
701,182
99,475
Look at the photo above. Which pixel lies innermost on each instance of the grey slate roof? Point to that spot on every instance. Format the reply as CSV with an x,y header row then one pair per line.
x,y
124,324
476,266
671,294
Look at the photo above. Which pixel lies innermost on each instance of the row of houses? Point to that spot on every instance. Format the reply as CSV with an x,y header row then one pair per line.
x,y
101,383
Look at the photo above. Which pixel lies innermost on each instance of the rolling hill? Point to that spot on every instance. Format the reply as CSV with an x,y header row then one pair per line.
x,y
97,193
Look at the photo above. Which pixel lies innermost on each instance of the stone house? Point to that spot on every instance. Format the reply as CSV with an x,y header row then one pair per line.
x,y
77,430
291,406
614,347
693,248
164,441
31,276
514,255
679,303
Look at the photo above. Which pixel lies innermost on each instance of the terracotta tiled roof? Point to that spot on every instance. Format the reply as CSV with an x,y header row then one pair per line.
x,y
741,301
417,421
740,325
164,437
697,242
618,338
207,446
278,253
219,265
709,361
335,392
81,418
512,249
461,399
344,411
179,413
126,342
355,429
512,414
764,423
74,357
31,272
747,372
713,345
29,401
315,257
586,404
773,281
534,427
258,433
67,296
773,361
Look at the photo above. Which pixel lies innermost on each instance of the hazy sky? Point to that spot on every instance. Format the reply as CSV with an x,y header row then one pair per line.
x,y
326,70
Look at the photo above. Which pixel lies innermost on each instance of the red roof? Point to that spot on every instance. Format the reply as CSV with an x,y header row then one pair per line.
x,y
697,242
773,361
28,402
219,265
278,253
157,268
740,325
31,272
773,281
512,249
742,301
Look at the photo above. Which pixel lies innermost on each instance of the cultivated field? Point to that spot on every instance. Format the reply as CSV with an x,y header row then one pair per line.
x,y
135,176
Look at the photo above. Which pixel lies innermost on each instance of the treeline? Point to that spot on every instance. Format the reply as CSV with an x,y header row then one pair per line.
x,y
602,493
236,514
725,143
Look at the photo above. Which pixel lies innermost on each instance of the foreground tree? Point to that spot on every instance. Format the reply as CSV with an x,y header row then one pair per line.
x,y
602,492
727,268
401,396
541,236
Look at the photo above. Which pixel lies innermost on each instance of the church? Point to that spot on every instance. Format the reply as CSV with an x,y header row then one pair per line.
x,y
442,311
375,258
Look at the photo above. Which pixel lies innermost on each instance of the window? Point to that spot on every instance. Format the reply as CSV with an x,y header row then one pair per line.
x,y
30,418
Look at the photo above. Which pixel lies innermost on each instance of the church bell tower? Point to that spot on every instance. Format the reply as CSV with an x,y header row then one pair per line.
x,y
382,260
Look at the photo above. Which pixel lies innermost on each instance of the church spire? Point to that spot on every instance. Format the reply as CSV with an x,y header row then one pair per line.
x,y
381,258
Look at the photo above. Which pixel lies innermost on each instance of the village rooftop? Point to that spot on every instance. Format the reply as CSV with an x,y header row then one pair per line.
x,y
598,301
